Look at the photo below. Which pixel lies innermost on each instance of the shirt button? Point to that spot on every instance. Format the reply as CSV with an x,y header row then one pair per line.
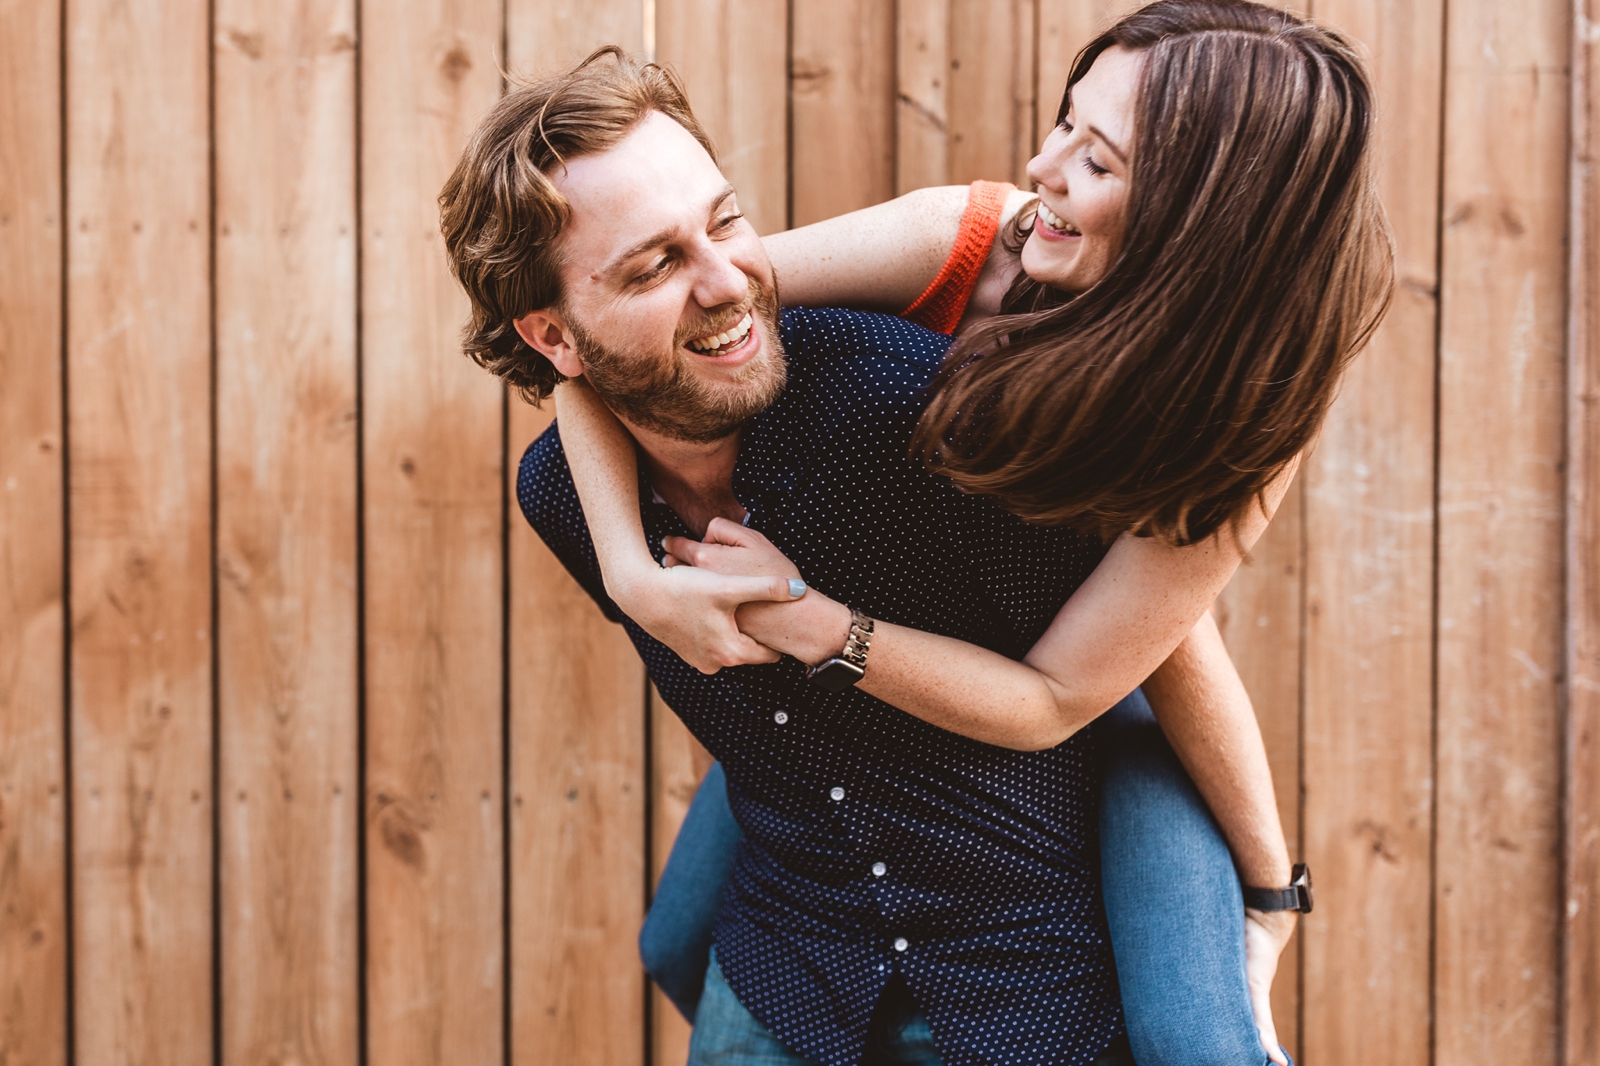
x,y
836,793
781,717
879,869
901,943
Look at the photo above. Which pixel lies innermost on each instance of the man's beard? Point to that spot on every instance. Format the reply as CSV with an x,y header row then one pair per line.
x,y
664,395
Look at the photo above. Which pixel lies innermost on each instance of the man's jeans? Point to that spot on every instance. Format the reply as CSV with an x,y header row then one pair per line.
x,y
1173,903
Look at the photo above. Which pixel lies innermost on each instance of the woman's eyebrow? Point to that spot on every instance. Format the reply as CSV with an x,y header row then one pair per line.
x,y
1116,151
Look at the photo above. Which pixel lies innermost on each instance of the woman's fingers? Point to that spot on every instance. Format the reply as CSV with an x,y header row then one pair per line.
x,y
737,590
1265,936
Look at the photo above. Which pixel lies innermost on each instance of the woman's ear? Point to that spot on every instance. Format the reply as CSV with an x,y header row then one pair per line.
x,y
546,333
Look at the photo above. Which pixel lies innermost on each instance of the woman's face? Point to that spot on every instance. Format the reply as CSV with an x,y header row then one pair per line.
x,y
1082,175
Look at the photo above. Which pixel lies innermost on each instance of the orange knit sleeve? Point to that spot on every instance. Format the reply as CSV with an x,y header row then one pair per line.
x,y
944,301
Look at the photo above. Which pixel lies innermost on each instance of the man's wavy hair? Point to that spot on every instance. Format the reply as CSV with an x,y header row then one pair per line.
x,y
1256,262
502,215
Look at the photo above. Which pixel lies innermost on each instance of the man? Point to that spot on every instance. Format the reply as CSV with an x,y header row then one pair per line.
x,y
899,886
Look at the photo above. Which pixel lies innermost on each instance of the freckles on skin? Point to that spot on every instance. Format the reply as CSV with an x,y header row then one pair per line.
x,y
1082,174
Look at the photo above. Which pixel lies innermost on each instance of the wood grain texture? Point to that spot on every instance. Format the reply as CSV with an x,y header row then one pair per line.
x,y
138,354
1581,947
1369,531
842,107
733,56
577,811
991,95
433,454
33,918
1259,614
1503,318
286,529
676,761
922,95
545,36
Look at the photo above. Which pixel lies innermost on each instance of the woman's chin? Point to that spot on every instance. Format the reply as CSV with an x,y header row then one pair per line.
x,y
1049,264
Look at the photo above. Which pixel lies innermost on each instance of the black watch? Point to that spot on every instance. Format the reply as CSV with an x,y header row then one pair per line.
x,y
1297,897
849,666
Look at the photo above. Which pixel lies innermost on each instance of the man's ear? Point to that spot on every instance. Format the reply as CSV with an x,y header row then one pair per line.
x,y
546,333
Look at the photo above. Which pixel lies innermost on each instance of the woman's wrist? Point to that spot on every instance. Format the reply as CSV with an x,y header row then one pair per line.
x,y
812,629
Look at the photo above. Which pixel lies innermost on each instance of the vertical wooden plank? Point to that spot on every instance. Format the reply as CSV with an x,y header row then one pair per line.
x,y
578,721
842,106
732,56
1581,948
286,530
991,93
544,36
1503,291
577,811
922,76
138,357
433,538
1369,528
33,940
1259,614
677,762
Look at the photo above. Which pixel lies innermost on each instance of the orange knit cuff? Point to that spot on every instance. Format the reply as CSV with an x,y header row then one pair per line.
x,y
944,301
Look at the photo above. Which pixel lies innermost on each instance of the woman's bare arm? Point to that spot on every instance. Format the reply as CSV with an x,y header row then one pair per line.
x,y
1140,603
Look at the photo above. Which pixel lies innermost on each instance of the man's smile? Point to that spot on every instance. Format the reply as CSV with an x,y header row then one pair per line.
x,y
732,346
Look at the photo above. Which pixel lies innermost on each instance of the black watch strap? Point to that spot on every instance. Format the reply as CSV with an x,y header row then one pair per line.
x,y
1296,897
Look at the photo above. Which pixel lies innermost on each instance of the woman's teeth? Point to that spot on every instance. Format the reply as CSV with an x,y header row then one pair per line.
x,y
1056,222
722,340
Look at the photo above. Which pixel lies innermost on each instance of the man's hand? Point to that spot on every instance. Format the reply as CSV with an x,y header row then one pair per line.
x,y
1265,936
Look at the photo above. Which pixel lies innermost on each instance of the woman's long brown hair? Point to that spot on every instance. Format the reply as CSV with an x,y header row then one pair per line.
x,y
1256,262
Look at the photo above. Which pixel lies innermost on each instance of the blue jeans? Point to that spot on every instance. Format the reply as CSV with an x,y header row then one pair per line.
x,y
1172,899
725,1034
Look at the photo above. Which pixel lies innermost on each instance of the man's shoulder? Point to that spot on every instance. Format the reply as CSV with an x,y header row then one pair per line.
x,y
819,334
856,362
549,501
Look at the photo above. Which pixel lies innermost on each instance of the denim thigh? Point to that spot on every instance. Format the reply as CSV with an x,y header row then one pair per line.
x,y
1173,904
675,943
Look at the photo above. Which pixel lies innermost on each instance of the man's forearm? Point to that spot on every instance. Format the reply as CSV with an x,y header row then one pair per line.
x,y
1206,714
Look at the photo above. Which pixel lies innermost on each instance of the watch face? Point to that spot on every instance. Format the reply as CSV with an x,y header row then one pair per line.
x,y
836,675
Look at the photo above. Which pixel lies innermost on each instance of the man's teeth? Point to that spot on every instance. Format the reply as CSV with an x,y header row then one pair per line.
x,y
1056,222
737,333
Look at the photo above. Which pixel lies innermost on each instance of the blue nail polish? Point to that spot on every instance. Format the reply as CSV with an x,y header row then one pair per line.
x,y
797,588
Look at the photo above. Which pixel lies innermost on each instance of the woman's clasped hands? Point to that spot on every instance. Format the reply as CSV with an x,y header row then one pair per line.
x,y
732,599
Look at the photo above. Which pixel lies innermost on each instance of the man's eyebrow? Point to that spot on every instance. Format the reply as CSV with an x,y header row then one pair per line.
x,y
1118,152
659,238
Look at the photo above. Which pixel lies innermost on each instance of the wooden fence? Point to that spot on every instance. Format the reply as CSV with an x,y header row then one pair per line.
x,y
310,754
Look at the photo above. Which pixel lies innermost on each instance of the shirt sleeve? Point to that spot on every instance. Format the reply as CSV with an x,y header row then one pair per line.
x,y
944,301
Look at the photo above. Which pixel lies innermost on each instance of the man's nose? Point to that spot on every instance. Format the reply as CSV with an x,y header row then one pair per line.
x,y
720,280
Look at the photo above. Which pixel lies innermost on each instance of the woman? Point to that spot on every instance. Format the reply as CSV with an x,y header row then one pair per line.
x,y
1204,255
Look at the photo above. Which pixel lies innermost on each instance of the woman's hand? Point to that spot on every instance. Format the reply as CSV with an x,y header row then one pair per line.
x,y
810,628
1265,936
691,611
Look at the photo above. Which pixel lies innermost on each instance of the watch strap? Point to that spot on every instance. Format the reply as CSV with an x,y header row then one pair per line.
x,y
1295,897
843,670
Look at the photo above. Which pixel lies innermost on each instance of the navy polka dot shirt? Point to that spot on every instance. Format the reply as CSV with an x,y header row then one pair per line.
x,y
876,844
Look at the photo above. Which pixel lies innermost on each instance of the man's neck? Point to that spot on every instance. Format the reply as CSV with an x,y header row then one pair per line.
x,y
696,480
